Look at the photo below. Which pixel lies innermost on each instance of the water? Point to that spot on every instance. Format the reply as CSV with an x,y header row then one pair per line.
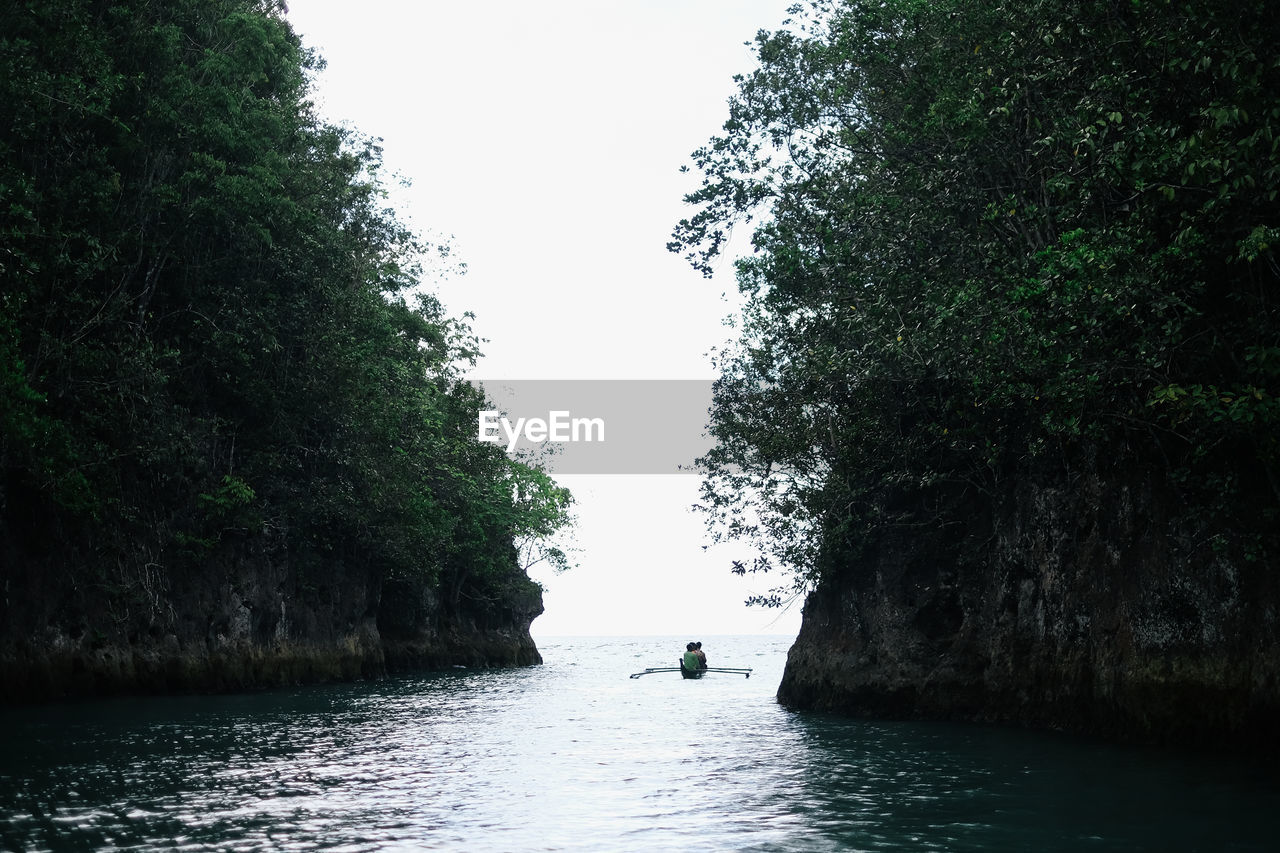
x,y
574,755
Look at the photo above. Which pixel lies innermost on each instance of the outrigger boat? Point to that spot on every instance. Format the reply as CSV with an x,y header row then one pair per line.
x,y
693,673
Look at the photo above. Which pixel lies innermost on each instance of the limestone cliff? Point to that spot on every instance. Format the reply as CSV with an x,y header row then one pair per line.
x,y
258,620
1088,604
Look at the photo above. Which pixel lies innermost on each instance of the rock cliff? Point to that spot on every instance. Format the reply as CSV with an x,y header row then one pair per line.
x,y
1090,604
252,622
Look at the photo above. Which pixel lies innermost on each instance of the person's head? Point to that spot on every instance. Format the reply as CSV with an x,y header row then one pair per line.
x,y
689,647
697,645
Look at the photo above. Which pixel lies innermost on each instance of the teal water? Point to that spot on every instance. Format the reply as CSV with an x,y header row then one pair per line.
x,y
574,755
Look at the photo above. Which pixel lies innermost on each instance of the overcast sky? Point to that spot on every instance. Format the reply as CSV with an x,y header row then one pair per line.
x,y
544,140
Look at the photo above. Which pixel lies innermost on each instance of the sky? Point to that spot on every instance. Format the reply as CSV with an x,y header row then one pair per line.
x,y
543,142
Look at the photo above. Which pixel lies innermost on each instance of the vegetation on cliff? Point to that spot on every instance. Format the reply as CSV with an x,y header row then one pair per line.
x,y
985,237
213,337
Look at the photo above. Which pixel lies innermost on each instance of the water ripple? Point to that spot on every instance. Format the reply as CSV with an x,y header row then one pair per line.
x,y
574,756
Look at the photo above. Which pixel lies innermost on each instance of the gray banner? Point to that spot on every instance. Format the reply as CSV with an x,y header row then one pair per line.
x,y
598,426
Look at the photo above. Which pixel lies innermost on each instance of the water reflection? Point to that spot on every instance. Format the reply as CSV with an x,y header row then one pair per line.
x,y
574,755
927,786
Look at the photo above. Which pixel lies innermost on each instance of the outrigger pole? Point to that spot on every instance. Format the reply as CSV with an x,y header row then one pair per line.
x,y
745,671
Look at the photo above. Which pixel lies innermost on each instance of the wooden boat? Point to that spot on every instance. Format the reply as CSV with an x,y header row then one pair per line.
x,y
694,673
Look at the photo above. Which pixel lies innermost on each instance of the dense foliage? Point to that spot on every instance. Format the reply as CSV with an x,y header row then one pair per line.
x,y
989,238
213,338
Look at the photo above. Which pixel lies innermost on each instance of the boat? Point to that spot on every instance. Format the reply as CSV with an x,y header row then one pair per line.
x,y
694,673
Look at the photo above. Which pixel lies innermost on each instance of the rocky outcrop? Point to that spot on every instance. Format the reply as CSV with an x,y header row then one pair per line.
x,y
491,630
1090,604
251,622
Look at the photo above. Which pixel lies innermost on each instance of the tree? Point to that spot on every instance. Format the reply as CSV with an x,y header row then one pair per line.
x,y
213,341
986,236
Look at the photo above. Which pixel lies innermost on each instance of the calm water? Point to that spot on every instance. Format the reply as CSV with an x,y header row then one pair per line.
x,y
574,755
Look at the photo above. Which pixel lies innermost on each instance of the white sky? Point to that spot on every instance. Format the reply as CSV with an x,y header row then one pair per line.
x,y
544,139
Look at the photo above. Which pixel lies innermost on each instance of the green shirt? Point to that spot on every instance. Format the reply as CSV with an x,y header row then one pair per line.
x,y
691,661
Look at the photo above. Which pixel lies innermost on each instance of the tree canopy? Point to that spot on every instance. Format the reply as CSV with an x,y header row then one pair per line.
x,y
213,338
985,236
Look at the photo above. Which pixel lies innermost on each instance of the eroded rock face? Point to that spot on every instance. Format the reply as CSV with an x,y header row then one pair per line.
x,y
246,623
419,632
1078,606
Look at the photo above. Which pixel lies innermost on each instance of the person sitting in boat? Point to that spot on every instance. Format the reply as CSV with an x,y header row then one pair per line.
x,y
702,656
690,660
